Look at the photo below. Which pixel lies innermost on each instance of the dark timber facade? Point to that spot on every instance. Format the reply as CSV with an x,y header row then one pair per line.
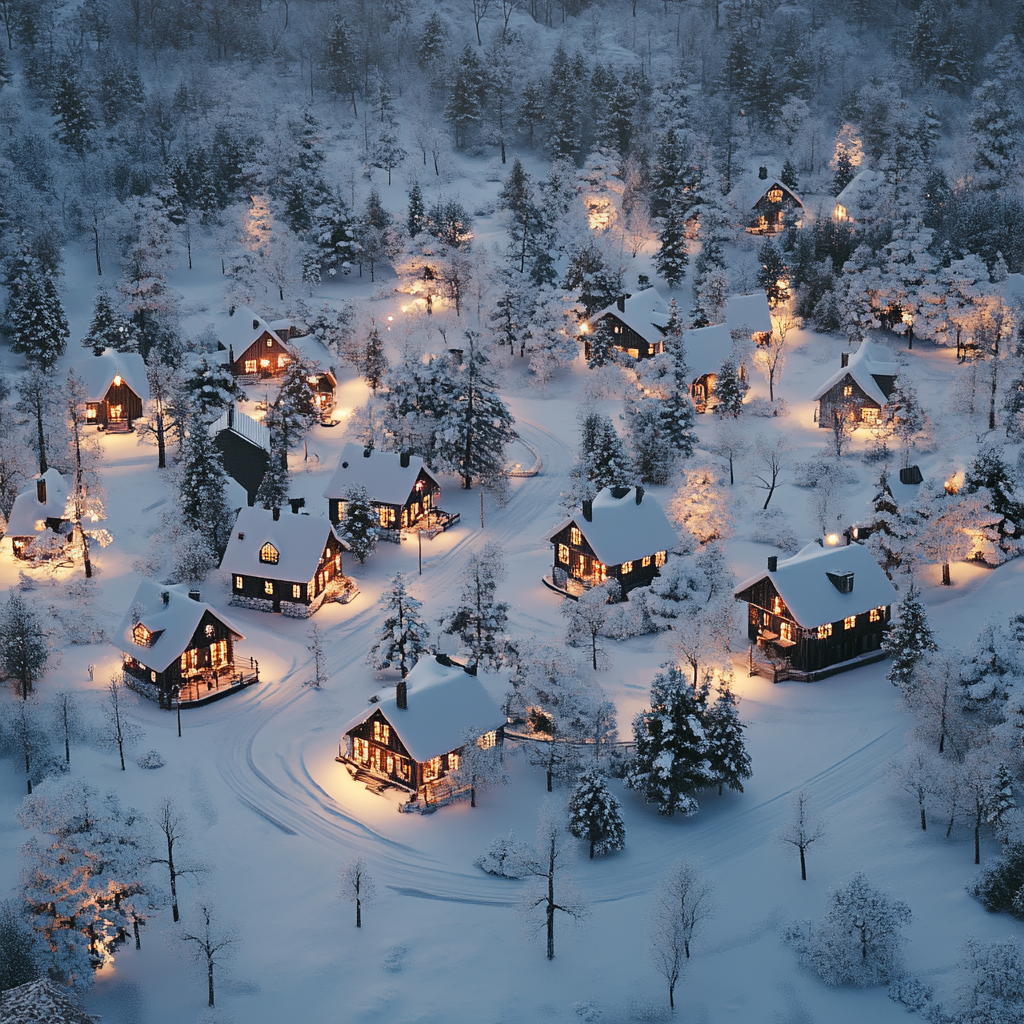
x,y
268,587
119,407
574,556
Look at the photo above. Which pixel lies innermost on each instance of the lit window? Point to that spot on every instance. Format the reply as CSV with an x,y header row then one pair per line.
x,y
488,740
209,629
824,632
269,554
387,516
869,415
152,676
270,341
297,591
563,553
268,586
361,750
646,562
786,630
432,769
90,412
575,537
766,620
849,622
627,567
777,605
282,362
601,571
847,391
141,635
659,558
238,583
250,366
775,195
264,363
453,762
876,615
381,731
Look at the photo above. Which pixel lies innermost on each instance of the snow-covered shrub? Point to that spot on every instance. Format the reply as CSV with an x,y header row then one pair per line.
x,y
909,990
771,526
395,959
506,858
991,989
587,1011
1000,889
152,759
630,618
259,604
142,687
760,406
148,565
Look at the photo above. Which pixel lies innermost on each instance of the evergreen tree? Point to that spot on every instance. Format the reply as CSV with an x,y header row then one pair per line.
x,y
909,639
375,366
417,218
845,170
609,465
295,410
773,273
273,489
729,390
671,762
38,323
996,123
595,815
403,636
480,621
334,233
789,176
466,98
590,277
202,482
24,650
727,754
70,107
990,472
533,110
340,63
360,524
17,953
108,328
672,257
652,455
668,171
208,390
1013,407
677,411
565,107
602,344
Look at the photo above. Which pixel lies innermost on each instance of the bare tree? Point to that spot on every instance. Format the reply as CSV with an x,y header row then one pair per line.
x,y
770,357
480,766
25,738
119,731
804,828
316,649
842,421
356,886
587,617
479,9
915,772
771,451
209,946
730,441
67,719
171,823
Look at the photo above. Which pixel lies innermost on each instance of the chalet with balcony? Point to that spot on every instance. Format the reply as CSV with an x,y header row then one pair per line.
x,y
822,611
116,386
280,562
176,645
765,204
400,486
415,739
639,323
860,388
244,444
37,524
616,536
255,349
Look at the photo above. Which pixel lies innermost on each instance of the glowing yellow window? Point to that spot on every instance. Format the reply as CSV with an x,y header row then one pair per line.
x,y
238,583
432,769
575,537
601,571
282,361
250,366
824,632
876,615
453,762
361,750
270,341
659,558
646,562
869,415
849,622
269,554
786,630
268,586
777,605
387,516
264,363
209,629
627,567
563,553
488,740
381,731
775,195
141,635
297,591
847,391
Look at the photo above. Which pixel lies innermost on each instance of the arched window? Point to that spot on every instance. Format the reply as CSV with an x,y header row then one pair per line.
x,y
269,554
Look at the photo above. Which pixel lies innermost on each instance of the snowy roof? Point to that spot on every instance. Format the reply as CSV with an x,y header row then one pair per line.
x,y
751,189
242,328
812,598
1011,290
644,313
175,622
42,1002
445,701
871,360
749,311
244,426
312,350
621,530
98,373
858,198
706,348
27,513
299,540
382,474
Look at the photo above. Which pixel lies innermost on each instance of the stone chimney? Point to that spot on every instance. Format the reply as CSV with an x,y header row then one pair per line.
x,y
762,173
588,510
276,513
367,452
165,596
773,563
195,595
845,359
41,491
403,460
402,695
620,303
639,494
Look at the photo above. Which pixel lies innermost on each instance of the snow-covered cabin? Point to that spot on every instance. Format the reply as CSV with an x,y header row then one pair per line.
x,y
42,1002
638,322
763,202
254,347
400,486
858,202
116,385
706,348
38,512
244,444
281,561
323,375
825,608
173,640
415,738
616,536
861,386
752,313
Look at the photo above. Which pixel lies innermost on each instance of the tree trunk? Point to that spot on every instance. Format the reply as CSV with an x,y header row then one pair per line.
x,y
591,849
947,580
549,772
803,865
28,776
593,645
551,902
924,823
359,913
161,442
209,979
977,835
41,435
671,995
135,929
96,246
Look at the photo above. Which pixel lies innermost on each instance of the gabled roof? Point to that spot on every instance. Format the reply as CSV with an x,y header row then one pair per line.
x,y
42,1002
299,540
244,426
98,373
386,480
751,189
749,311
810,595
242,328
175,622
858,198
871,360
27,512
620,530
444,702
706,348
645,312
311,349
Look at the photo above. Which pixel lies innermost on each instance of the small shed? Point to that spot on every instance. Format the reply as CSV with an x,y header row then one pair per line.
x,y
860,387
616,536
37,517
254,348
400,486
639,323
282,562
860,201
751,312
116,386
245,445
414,739
826,608
175,643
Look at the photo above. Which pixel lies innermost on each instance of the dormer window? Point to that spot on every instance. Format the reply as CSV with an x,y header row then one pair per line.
x,y
269,554
141,635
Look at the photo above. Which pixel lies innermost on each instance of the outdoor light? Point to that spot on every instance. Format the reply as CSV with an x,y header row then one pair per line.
x,y
117,380
832,539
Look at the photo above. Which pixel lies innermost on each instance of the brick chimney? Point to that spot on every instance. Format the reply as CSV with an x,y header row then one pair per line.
x,y
639,494
276,513
773,563
403,460
588,510
41,491
402,696
845,357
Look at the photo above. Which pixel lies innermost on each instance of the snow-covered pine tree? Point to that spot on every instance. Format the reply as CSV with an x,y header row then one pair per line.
x,y
653,457
74,121
602,344
403,636
595,815
202,483
671,764
672,256
360,523
908,639
908,416
375,365
38,323
276,482
729,390
334,232
208,390
480,621
108,328
24,650
677,413
727,753
889,532
773,274
609,463
1000,804
587,618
